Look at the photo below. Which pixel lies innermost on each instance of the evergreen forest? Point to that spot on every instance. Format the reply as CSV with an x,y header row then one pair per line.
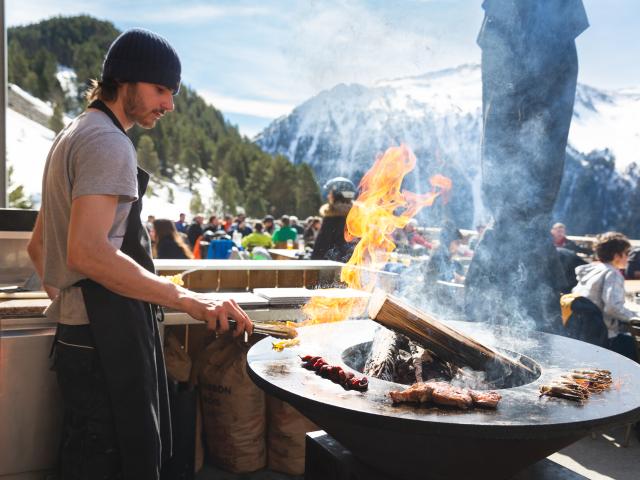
x,y
194,140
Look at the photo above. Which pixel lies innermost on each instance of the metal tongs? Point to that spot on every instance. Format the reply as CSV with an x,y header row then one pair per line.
x,y
277,331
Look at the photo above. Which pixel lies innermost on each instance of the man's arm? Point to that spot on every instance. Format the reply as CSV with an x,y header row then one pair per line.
x,y
90,253
36,253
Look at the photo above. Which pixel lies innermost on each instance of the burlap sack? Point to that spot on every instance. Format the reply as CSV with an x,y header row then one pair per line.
x,y
178,362
286,429
233,408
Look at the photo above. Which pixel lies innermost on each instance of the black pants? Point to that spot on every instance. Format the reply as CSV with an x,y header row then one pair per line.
x,y
89,448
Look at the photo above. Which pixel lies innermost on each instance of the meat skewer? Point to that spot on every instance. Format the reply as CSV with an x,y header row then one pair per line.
x,y
578,384
335,373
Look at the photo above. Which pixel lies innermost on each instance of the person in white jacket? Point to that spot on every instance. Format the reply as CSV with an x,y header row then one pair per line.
x,y
603,283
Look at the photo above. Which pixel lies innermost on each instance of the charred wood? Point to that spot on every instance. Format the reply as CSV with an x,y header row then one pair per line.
x,y
448,344
383,355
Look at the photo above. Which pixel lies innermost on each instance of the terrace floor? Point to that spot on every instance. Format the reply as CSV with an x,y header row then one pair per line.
x,y
603,457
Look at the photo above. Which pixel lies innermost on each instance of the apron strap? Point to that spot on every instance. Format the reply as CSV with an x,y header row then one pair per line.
x,y
100,105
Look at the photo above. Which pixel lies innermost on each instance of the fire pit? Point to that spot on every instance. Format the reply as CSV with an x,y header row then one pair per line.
x,y
407,441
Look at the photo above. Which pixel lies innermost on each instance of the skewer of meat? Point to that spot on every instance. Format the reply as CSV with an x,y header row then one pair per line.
x,y
578,384
562,391
335,373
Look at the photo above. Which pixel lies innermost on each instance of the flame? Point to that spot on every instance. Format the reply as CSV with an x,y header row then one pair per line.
x,y
380,209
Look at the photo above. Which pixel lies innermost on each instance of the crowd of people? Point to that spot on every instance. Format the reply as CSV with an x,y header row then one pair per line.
x,y
199,239
320,237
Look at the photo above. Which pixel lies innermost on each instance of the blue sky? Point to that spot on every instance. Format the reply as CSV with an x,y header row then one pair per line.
x,y
256,60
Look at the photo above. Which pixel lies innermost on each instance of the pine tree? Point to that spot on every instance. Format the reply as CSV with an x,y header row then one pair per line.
x,y
307,191
229,192
56,123
196,206
18,66
17,197
256,190
234,164
190,160
147,156
280,190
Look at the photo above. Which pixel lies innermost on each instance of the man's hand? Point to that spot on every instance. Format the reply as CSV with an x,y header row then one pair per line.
x,y
217,314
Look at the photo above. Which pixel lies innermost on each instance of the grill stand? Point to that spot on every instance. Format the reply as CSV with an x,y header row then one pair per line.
x,y
327,459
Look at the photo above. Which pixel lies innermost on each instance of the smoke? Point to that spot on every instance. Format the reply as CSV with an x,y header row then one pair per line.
x,y
529,70
338,42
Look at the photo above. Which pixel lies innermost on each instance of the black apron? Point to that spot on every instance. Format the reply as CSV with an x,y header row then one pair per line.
x,y
128,343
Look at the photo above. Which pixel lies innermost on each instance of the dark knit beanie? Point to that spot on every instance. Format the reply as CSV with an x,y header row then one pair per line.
x,y
139,55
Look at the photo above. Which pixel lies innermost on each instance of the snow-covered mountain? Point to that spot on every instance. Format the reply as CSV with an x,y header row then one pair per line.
x,y
438,115
28,143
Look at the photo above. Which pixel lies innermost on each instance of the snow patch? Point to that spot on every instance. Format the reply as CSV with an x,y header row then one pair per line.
x,y
28,145
67,79
43,107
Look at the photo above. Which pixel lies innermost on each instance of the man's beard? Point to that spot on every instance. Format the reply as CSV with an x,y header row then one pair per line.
x,y
136,111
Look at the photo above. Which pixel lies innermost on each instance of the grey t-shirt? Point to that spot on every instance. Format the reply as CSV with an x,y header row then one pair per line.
x,y
91,156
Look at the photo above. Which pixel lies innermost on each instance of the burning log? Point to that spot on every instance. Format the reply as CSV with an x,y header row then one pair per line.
x,y
384,353
419,356
445,342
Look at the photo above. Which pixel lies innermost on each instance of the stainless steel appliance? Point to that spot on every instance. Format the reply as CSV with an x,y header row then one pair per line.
x,y
29,399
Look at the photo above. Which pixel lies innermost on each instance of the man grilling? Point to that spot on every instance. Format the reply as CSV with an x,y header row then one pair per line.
x,y
86,246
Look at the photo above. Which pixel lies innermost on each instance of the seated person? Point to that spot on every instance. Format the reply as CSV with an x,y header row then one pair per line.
x,y
441,264
560,240
603,284
311,232
257,239
169,243
340,195
269,225
285,233
294,223
633,267
401,240
227,223
475,239
242,227
213,225
195,230
569,260
410,238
